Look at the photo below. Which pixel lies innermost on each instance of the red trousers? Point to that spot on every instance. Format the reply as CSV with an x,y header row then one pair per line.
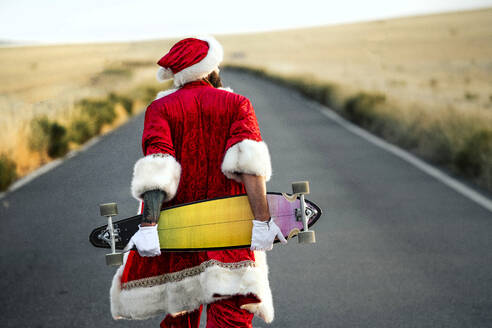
x,y
221,314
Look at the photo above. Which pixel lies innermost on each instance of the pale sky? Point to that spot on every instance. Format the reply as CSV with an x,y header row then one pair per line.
x,y
66,21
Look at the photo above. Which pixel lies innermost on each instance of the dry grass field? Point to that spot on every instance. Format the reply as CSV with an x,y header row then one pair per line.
x,y
432,71
433,61
50,80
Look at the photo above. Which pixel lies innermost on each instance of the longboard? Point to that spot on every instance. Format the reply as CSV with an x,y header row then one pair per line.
x,y
221,223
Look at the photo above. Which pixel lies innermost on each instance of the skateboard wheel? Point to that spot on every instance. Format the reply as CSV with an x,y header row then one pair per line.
x,y
300,187
108,209
114,259
306,237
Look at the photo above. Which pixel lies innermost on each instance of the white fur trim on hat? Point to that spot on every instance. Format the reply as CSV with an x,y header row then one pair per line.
x,y
204,67
164,74
247,156
164,93
156,171
187,294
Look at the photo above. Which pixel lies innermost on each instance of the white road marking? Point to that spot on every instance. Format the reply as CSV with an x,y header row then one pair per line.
x,y
406,156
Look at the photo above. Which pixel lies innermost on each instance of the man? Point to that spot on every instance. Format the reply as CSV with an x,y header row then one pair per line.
x,y
199,142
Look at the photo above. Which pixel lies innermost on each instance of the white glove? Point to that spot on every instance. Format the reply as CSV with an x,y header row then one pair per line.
x,y
146,239
263,235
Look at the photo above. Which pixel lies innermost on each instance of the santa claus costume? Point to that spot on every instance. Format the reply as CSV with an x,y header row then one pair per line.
x,y
196,140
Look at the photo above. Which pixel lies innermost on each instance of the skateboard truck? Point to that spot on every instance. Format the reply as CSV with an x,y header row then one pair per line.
x,y
109,210
305,236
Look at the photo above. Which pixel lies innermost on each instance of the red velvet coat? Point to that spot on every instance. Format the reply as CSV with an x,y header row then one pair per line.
x,y
200,134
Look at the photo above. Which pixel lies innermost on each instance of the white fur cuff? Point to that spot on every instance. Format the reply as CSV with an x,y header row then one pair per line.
x,y
157,171
247,156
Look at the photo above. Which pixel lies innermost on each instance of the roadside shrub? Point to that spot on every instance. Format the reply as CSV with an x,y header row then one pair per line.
x,y
360,107
326,94
58,145
126,102
470,96
323,93
147,93
99,112
435,145
8,172
39,134
81,130
116,71
48,137
475,157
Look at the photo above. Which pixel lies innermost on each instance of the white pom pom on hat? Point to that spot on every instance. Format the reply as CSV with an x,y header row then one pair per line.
x,y
164,74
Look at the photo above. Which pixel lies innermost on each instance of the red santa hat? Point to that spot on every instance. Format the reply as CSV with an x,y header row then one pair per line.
x,y
190,59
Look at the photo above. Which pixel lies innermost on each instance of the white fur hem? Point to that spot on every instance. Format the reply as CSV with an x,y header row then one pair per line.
x,y
204,67
189,293
247,156
156,171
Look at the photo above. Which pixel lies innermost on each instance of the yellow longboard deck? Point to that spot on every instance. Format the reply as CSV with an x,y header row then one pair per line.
x,y
211,224
216,223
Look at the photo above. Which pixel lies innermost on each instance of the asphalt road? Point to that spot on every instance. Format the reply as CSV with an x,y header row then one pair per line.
x,y
396,248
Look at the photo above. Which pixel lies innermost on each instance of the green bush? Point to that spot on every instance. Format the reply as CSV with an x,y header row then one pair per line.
x,y
126,102
48,136
147,93
116,71
323,93
58,145
360,107
475,158
470,96
99,112
436,145
8,172
81,130
40,134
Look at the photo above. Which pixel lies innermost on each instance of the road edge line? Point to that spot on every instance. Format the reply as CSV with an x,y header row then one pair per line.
x,y
434,172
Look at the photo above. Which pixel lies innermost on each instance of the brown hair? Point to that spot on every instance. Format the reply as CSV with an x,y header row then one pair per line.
x,y
214,79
